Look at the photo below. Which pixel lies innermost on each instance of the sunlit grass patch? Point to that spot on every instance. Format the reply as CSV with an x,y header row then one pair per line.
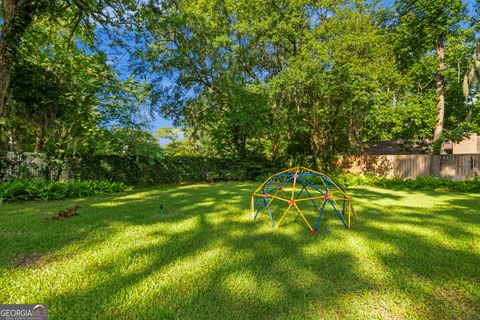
x,y
411,255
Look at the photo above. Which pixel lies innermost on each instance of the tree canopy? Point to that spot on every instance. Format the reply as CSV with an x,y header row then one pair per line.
x,y
301,81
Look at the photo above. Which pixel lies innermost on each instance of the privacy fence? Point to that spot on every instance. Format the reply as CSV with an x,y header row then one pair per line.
x,y
451,166
132,170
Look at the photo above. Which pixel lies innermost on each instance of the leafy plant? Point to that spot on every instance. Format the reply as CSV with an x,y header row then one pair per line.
x,y
422,183
45,190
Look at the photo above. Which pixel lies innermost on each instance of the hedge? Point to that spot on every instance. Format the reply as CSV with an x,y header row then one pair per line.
x,y
421,183
144,170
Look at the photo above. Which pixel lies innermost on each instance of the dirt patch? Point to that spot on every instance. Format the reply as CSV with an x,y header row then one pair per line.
x,y
66,213
29,260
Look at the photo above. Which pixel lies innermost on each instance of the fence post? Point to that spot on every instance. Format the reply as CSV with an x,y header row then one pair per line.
x,y
436,165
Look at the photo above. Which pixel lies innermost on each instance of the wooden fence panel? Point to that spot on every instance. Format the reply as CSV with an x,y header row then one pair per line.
x,y
23,165
452,166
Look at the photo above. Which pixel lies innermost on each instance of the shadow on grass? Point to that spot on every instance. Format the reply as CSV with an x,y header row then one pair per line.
x,y
434,252
254,276
224,266
24,230
372,194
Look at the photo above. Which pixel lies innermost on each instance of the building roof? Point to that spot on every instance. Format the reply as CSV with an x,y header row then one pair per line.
x,y
394,147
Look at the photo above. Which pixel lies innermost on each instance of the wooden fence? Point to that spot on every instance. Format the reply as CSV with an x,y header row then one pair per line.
x,y
22,165
452,166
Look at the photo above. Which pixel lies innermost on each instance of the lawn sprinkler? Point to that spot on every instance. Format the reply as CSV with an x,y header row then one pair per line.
x,y
309,192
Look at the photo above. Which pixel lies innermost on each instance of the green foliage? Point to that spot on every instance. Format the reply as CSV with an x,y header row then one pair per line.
x,y
421,183
293,81
456,134
412,117
73,88
46,190
433,44
299,81
136,169
424,24
118,140
144,170
60,107
169,133
186,142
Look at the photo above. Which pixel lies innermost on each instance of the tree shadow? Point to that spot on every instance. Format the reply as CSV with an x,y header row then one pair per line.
x,y
26,231
204,258
432,252
255,275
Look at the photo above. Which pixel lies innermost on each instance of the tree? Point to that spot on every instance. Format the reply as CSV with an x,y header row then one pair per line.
x,y
290,78
170,133
18,15
184,142
125,141
423,26
205,76
70,92
471,80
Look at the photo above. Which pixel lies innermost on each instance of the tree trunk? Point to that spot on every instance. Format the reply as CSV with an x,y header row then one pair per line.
x,y
468,118
7,50
38,140
440,89
17,16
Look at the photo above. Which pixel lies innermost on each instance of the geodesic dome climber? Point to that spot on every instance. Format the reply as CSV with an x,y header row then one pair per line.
x,y
309,192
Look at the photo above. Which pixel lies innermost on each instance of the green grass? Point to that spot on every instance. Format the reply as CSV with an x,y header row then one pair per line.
x,y
411,255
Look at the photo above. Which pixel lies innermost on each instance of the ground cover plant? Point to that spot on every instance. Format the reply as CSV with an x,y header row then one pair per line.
x,y
421,183
38,189
412,255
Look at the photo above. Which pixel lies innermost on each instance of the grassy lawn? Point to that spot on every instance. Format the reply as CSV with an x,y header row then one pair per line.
x,y
411,255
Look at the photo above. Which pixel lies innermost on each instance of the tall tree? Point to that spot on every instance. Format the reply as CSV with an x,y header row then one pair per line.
x,y
205,78
426,25
17,15
288,77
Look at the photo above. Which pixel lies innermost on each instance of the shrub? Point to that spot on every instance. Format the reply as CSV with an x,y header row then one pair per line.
x,y
44,190
421,183
136,170
140,170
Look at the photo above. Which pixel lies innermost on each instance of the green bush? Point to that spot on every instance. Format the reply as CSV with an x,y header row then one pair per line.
x,y
421,183
138,170
45,190
141,170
